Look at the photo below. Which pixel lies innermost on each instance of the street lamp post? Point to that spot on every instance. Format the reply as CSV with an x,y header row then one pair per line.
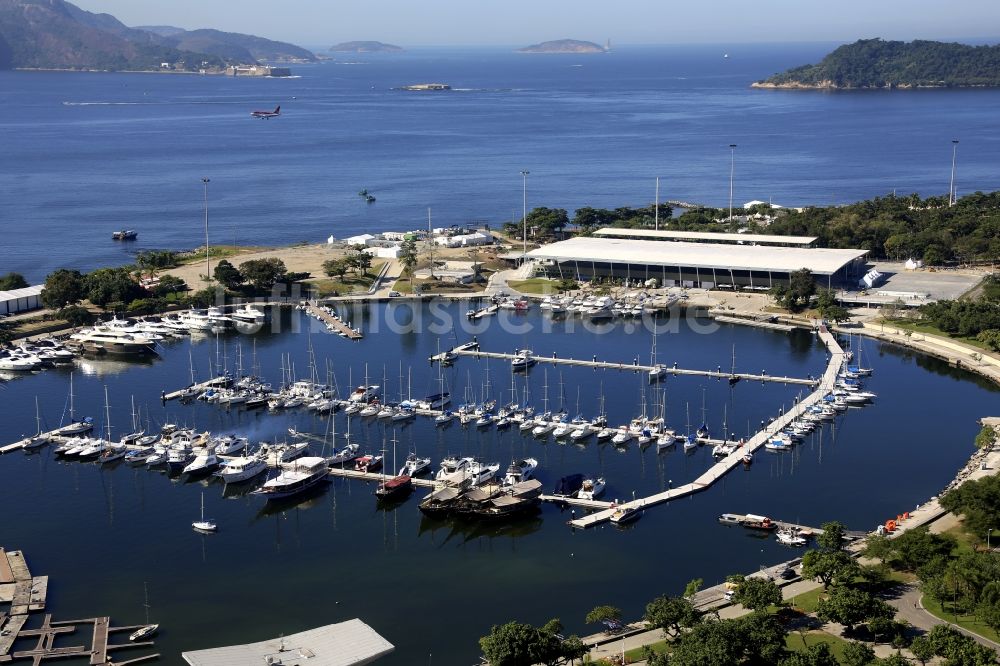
x,y
951,187
524,213
208,263
732,170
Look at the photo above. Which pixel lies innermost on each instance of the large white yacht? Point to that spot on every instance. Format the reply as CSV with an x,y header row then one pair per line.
x,y
242,468
301,475
113,340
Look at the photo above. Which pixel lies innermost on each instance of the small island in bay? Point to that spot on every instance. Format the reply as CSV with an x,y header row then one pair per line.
x,y
564,46
876,63
365,47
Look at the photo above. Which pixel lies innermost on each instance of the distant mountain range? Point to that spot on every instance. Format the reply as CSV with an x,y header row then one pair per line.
x,y
564,46
54,34
875,63
365,47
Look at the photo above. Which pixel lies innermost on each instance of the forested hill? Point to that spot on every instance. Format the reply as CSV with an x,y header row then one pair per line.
x,y
875,63
55,34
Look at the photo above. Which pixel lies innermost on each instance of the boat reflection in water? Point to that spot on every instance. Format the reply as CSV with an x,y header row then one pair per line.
x,y
307,499
469,529
104,366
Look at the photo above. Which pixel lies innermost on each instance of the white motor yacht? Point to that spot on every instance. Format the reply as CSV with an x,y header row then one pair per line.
x,y
414,465
591,488
204,463
109,341
303,474
242,468
453,470
345,455
478,473
520,470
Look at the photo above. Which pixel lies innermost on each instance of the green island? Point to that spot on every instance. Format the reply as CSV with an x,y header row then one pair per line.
x,y
365,47
878,63
564,46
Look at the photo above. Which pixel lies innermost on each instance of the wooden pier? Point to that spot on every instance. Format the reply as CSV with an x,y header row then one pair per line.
x,y
201,386
771,325
379,477
635,367
735,459
29,594
335,322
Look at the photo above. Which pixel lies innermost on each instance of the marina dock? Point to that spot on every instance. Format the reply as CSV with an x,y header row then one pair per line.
x,y
377,476
735,459
29,594
771,325
635,367
201,386
339,326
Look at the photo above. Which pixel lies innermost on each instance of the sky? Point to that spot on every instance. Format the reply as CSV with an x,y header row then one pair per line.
x,y
320,23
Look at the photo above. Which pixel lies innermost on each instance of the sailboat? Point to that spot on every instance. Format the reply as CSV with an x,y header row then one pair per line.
x,y
397,486
75,427
148,629
37,440
204,525
702,432
690,443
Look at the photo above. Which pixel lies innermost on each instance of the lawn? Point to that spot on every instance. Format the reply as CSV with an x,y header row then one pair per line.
x,y
794,641
930,329
350,284
807,601
405,286
637,654
535,286
968,622
215,252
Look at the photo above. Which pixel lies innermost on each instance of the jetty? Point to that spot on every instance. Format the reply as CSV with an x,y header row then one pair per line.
x,y
27,593
379,477
735,459
335,323
636,367
199,387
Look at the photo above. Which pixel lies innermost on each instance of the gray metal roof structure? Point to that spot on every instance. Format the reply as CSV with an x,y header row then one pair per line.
x,y
350,643
760,239
763,258
25,292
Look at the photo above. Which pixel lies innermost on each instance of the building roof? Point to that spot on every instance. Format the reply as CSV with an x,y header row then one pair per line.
x,y
761,239
763,258
26,292
348,643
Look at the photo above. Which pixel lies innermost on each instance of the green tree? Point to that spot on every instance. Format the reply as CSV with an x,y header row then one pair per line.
x,y
990,337
150,260
262,273
601,613
335,267
693,587
879,547
513,644
408,256
829,567
835,313
918,546
12,281
815,655
850,607
801,287
832,538
986,438
112,285
362,261
227,275
62,287
76,315
169,284
757,594
671,614
922,649
548,221
857,654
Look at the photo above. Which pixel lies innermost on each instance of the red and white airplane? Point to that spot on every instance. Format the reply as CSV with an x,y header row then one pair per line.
x,y
265,115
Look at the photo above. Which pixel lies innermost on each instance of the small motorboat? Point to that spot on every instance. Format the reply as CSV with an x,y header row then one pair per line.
x,y
624,514
591,488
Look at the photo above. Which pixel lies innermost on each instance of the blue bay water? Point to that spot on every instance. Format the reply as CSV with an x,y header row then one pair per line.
x,y
432,587
84,154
